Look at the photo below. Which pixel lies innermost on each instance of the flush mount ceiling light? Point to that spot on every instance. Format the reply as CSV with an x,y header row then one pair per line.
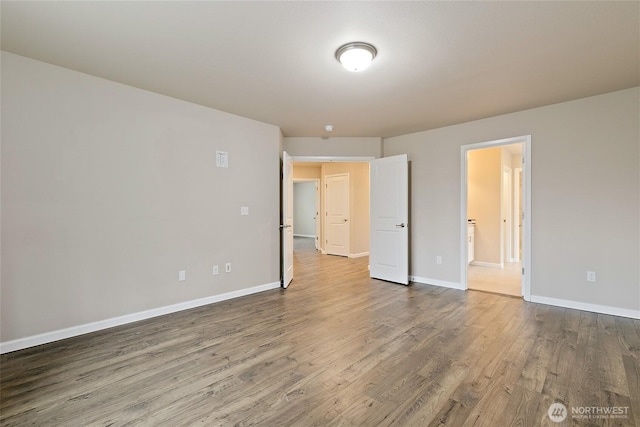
x,y
356,56
328,128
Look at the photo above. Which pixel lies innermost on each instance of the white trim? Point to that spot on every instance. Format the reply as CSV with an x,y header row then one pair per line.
x,y
360,255
487,264
517,214
595,308
526,208
304,235
73,331
436,282
329,159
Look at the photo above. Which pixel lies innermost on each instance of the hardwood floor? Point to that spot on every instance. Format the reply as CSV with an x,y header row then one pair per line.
x,y
336,348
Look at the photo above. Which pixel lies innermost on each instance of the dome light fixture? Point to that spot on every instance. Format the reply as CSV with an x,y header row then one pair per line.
x,y
356,56
328,128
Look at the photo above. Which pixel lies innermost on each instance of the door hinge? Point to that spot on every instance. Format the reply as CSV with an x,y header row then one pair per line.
x,y
523,160
523,271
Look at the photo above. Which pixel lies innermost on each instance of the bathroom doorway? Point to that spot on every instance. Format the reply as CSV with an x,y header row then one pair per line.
x,y
493,214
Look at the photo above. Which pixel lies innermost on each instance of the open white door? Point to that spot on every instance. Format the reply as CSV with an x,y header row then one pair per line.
x,y
287,220
317,217
389,246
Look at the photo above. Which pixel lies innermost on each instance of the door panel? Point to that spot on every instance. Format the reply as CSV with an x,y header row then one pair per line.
x,y
317,217
389,249
287,220
337,222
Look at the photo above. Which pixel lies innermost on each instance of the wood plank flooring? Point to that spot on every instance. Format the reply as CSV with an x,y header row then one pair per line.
x,y
336,348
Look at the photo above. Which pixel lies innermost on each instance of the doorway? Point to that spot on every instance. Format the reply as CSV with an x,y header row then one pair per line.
x,y
353,239
306,210
494,202
361,201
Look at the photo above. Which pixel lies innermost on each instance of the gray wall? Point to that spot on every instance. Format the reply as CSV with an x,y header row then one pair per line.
x,y
585,196
108,191
337,146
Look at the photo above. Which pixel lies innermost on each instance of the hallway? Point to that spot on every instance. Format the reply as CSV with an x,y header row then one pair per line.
x,y
505,281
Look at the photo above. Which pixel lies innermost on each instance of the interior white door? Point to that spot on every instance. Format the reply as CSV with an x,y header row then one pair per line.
x,y
389,246
286,226
337,221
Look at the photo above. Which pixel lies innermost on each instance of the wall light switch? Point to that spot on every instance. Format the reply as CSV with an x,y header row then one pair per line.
x,y
227,267
244,210
216,271
182,275
591,276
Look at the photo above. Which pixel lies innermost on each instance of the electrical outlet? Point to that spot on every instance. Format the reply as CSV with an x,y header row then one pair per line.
x,y
227,267
182,275
438,260
591,276
244,210
216,271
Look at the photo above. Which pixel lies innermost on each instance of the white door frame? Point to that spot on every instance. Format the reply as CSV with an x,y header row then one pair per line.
x,y
329,159
317,181
516,214
526,207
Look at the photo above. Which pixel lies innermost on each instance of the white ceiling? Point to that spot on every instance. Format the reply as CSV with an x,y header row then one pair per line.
x,y
438,63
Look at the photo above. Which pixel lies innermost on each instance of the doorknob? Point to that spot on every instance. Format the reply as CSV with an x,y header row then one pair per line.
x,y
402,225
345,220
284,226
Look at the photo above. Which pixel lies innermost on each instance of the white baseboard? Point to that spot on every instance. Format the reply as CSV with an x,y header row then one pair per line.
x,y
360,255
595,308
304,235
436,282
73,331
487,264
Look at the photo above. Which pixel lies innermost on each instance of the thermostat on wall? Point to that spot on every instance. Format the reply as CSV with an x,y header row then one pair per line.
x,y
222,159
